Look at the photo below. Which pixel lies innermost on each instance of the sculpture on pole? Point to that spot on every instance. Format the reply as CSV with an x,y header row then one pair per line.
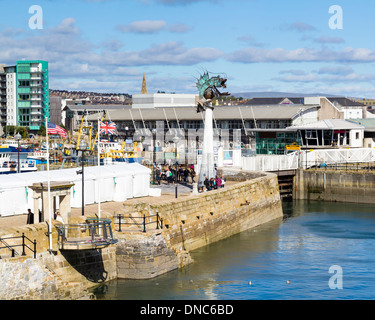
x,y
208,90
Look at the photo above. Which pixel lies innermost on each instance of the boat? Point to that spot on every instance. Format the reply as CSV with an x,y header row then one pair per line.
x,y
115,151
38,155
9,160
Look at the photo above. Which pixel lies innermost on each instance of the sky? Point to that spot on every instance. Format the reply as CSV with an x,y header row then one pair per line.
x,y
259,45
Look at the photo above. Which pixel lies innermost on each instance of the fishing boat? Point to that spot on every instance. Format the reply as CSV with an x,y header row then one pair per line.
x,y
115,151
39,156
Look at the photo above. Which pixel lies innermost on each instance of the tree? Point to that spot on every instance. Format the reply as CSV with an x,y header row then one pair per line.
x,y
42,130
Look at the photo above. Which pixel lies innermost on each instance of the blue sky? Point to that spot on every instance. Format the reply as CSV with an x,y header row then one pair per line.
x,y
261,45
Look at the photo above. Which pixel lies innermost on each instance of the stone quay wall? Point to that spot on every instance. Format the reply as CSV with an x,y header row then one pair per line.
x,y
190,222
196,221
341,186
55,275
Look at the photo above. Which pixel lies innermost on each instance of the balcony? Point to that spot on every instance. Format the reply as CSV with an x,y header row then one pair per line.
x,y
36,77
36,70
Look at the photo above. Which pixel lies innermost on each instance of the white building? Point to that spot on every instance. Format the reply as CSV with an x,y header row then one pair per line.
x,y
11,95
163,100
330,133
350,109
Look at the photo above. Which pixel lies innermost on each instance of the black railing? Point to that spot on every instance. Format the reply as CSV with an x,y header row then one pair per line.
x,y
24,245
138,221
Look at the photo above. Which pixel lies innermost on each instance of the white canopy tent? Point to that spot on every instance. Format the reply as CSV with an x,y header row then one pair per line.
x,y
117,182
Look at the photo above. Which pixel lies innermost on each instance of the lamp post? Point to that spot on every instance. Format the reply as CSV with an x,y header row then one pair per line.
x,y
18,138
175,140
153,155
82,147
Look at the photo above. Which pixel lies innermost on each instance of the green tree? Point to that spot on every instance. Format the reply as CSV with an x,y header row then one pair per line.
x,y
42,130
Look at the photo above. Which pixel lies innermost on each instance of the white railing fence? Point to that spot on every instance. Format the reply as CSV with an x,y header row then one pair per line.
x,y
308,159
271,162
313,158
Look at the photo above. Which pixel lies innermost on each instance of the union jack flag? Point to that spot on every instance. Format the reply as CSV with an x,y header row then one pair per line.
x,y
107,127
55,129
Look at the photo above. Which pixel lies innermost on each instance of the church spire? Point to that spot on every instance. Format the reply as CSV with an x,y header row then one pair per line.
x,y
144,86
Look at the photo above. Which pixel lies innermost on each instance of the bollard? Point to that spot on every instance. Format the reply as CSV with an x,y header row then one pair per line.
x,y
23,244
119,219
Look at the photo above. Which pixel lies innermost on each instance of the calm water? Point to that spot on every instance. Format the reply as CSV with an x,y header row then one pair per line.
x,y
312,237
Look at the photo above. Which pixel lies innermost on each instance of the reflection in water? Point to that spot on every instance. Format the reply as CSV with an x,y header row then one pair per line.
x,y
301,248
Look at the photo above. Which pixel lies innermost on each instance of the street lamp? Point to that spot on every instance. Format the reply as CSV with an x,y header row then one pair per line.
x,y
154,131
18,137
83,148
175,140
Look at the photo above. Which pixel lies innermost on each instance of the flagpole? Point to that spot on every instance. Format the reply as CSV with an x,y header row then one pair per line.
x,y
99,184
49,192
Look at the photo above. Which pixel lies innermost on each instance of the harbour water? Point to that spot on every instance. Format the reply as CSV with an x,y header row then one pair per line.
x,y
319,251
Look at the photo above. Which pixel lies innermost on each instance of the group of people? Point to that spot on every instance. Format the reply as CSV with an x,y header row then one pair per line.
x,y
30,216
175,175
213,183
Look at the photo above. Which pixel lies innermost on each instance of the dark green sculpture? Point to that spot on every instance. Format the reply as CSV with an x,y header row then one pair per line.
x,y
208,90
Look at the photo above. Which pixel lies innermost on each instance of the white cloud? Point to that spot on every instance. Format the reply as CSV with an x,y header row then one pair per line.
x,y
179,28
298,78
297,26
153,26
249,39
145,26
339,70
325,40
255,55
77,64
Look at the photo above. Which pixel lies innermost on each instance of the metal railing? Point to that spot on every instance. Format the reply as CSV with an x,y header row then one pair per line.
x,y
95,232
348,166
24,245
336,156
141,221
306,159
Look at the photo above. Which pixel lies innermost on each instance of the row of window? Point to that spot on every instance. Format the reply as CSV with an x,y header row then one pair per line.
x,y
196,124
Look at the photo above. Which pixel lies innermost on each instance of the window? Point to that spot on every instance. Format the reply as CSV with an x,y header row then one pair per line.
x,y
357,135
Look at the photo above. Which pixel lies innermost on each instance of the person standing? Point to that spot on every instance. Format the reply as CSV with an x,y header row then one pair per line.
x,y
193,176
222,181
158,175
30,217
207,184
218,182
59,217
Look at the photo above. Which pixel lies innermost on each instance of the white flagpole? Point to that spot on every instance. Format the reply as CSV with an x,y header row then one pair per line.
x,y
49,192
99,184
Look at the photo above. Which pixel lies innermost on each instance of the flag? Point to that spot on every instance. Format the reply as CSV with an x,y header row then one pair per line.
x,y
107,127
55,129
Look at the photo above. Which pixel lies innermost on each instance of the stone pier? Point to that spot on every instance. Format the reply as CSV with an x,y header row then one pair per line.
x,y
189,222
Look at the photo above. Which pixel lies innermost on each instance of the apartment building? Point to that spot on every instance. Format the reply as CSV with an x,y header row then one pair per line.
x,y
24,94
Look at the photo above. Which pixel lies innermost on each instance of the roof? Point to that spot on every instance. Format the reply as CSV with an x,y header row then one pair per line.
x,y
98,107
345,102
369,124
270,101
266,112
329,124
